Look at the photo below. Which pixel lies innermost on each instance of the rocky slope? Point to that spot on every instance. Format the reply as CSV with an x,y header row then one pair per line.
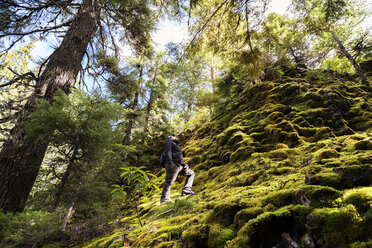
x,y
287,165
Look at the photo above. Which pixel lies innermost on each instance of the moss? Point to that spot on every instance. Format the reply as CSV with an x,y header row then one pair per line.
x,y
325,179
218,236
332,163
259,136
236,139
326,153
278,155
213,172
361,198
169,244
245,215
280,198
241,154
323,133
244,179
270,224
196,236
336,227
224,213
354,176
363,145
228,132
367,244
320,196
106,241
263,148
284,170
274,116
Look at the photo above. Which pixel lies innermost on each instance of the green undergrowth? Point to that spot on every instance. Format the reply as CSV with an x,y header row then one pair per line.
x,y
291,158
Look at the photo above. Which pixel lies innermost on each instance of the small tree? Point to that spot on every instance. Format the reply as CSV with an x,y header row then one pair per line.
x,y
78,128
137,182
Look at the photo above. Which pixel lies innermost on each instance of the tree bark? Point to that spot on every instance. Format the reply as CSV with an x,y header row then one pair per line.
x,y
344,52
128,131
153,96
20,160
64,179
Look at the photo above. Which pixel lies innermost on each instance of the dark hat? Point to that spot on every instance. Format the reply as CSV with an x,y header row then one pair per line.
x,y
168,138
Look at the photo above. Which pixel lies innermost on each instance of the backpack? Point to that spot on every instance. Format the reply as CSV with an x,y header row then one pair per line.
x,y
162,159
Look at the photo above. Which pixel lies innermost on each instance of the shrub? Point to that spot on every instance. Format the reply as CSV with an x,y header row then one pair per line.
x,y
30,229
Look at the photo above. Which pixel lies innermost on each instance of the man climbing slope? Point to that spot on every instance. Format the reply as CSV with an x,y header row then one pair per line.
x,y
174,166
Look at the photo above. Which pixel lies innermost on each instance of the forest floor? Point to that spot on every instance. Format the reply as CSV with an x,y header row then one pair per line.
x,y
288,165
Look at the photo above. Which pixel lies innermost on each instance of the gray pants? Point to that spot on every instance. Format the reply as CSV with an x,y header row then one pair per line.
x,y
171,175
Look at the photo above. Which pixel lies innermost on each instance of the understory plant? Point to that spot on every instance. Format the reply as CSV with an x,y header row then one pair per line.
x,y
137,182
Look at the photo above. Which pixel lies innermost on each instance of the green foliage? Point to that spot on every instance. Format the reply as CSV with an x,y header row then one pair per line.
x,y
77,120
80,130
136,181
30,229
13,96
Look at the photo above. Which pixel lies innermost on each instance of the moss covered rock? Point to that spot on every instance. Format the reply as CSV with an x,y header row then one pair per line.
x,y
219,235
196,236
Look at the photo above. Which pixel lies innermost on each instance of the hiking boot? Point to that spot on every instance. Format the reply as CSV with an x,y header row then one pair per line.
x,y
187,192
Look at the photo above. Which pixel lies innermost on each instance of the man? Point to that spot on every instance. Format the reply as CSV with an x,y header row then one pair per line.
x,y
174,166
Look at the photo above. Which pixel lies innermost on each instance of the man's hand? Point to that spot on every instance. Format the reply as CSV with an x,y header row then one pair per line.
x,y
186,167
172,166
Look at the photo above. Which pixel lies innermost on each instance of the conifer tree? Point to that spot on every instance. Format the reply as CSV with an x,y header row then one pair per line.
x,y
77,22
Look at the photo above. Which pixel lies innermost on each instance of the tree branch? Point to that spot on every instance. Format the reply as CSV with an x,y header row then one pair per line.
x,y
202,28
29,76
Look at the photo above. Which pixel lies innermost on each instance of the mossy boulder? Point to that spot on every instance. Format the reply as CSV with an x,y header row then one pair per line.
x,y
325,179
169,244
219,235
355,176
224,213
319,196
266,229
281,198
326,153
363,145
323,133
361,198
245,215
333,227
244,179
196,236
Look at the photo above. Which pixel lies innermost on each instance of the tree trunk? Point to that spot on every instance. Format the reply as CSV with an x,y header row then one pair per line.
x,y
213,78
190,102
64,179
128,131
150,105
20,160
356,66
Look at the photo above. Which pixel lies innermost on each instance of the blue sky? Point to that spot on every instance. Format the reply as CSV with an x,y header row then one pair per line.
x,y
167,31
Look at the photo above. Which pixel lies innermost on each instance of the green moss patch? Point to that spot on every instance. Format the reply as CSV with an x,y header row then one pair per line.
x,y
196,236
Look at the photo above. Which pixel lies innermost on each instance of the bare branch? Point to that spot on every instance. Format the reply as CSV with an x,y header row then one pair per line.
x,y
41,30
29,76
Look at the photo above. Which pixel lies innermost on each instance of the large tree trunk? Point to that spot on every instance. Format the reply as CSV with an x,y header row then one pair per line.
x,y
344,52
19,160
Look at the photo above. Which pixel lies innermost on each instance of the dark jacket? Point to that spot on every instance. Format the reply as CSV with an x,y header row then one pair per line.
x,y
173,153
